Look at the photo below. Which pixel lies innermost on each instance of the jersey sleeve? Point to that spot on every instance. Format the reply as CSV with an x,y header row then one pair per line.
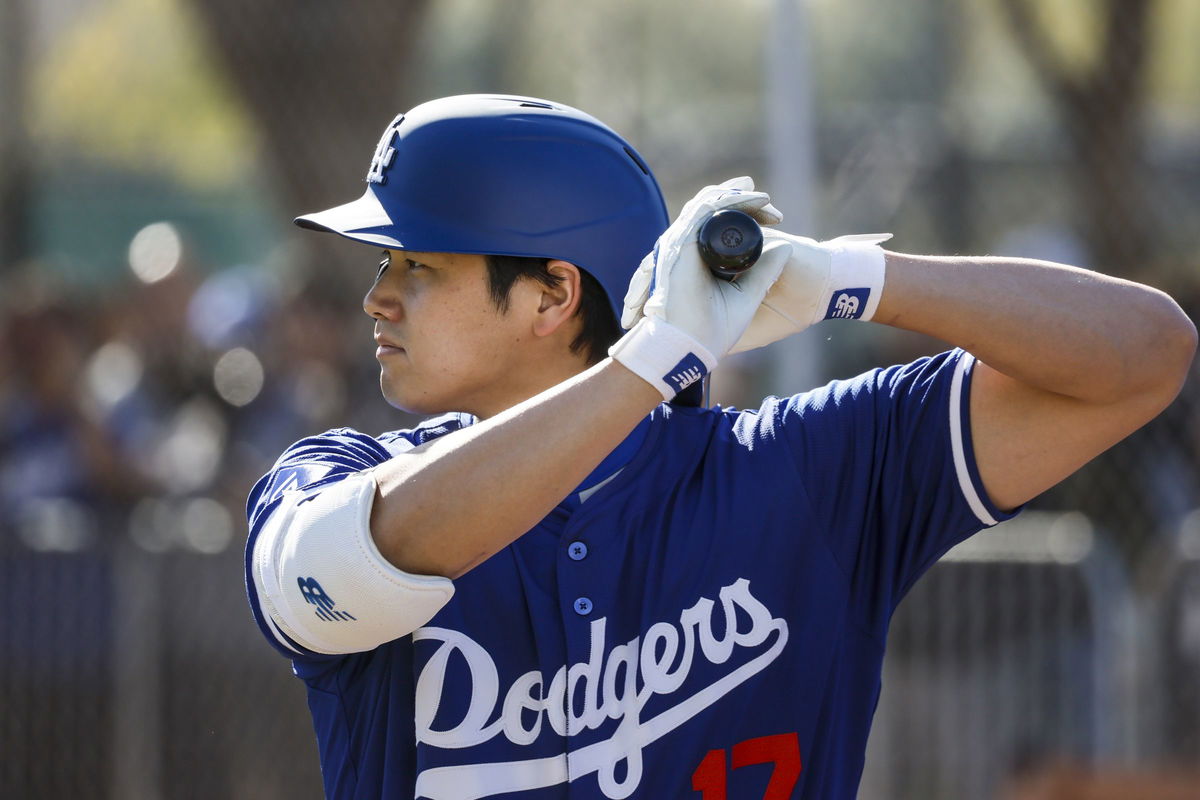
x,y
887,465
308,471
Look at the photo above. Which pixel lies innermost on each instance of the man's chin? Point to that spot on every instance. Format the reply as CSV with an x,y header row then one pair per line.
x,y
401,402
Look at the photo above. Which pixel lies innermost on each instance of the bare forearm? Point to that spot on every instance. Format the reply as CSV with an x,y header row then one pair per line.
x,y
1062,329
442,510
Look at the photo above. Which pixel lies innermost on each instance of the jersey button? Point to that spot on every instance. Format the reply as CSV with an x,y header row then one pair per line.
x,y
582,606
577,551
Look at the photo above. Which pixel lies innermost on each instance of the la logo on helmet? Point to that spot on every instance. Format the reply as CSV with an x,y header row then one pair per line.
x,y
384,152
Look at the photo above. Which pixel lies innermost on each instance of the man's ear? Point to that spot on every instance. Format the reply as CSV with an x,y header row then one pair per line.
x,y
559,303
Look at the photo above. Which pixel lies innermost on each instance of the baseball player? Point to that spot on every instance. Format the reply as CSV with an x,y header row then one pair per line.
x,y
564,585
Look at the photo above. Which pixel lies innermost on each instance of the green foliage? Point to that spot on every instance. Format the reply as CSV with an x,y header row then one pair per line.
x,y
131,87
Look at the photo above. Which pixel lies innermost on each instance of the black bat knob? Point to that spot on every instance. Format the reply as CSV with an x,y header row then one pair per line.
x,y
730,242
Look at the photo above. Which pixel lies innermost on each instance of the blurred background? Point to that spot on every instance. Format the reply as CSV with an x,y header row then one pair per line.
x,y
166,333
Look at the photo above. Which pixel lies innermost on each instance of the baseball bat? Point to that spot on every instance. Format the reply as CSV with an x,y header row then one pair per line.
x,y
730,242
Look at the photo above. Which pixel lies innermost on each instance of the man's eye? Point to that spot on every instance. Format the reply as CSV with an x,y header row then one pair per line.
x,y
414,264
383,265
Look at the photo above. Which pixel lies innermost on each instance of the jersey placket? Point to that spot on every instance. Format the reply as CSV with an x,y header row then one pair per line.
x,y
581,605
585,598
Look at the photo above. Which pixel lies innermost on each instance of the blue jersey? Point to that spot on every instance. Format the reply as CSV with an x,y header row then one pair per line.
x,y
706,617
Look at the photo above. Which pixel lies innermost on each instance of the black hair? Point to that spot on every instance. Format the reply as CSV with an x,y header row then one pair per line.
x,y
600,327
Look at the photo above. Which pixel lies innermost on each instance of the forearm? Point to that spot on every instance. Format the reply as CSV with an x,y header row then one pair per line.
x,y
450,505
1065,330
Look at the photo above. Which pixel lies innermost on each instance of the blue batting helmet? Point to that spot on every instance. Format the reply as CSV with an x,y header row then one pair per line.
x,y
505,175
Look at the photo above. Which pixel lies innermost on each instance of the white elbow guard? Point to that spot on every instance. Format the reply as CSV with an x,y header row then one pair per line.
x,y
323,582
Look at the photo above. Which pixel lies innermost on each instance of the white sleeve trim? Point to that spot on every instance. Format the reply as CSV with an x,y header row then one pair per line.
x,y
974,501
322,581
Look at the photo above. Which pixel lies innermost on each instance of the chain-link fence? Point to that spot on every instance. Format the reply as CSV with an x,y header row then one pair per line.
x,y
166,335
1029,647
1008,653
137,674
1170,700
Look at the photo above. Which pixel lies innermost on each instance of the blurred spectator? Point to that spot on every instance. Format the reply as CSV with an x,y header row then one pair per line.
x,y
60,467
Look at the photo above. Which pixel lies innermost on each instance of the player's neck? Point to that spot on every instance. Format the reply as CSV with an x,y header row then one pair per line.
x,y
529,383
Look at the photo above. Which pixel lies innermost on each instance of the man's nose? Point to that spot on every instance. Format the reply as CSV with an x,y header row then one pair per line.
x,y
381,301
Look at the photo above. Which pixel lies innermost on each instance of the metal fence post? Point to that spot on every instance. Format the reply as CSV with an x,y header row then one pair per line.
x,y
137,673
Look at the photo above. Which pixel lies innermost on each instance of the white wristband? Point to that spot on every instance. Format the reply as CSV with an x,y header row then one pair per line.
x,y
856,275
663,356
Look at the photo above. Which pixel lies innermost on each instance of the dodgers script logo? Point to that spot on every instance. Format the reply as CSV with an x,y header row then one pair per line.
x,y
662,657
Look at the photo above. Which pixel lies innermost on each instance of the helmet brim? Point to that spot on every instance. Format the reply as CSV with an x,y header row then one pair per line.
x,y
354,220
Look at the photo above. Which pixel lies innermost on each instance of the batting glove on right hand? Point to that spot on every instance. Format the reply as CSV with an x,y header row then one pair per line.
x,y
682,318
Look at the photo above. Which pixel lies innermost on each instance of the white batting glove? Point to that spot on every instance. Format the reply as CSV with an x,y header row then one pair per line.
x,y
735,193
838,279
682,318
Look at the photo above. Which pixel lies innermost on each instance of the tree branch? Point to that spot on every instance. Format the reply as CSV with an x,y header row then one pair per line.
x,y
1122,64
1039,51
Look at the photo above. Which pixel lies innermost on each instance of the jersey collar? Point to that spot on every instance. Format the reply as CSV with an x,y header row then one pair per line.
x,y
608,469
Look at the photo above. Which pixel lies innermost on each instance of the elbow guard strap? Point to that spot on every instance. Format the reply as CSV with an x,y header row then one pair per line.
x,y
322,580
